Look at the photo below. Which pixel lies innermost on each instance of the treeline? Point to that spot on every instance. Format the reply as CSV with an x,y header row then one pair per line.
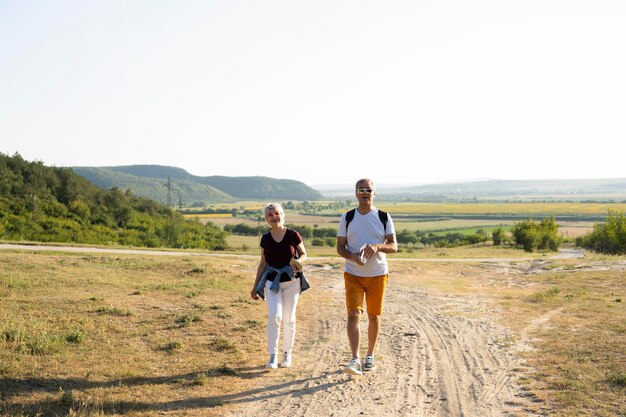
x,y
49,204
307,232
527,234
607,237
319,236
448,240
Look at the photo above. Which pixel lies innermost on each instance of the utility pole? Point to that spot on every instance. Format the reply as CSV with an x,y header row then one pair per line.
x,y
169,192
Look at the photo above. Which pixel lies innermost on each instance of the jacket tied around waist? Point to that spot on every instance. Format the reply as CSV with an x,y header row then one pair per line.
x,y
260,288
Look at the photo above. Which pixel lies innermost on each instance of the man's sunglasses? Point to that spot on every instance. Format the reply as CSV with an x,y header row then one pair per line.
x,y
364,190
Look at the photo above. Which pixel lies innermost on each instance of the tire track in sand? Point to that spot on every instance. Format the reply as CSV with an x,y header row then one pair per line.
x,y
437,356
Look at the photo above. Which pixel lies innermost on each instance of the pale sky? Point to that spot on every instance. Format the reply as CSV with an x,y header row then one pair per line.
x,y
324,92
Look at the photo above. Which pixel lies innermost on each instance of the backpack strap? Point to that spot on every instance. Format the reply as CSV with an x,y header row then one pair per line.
x,y
382,216
349,217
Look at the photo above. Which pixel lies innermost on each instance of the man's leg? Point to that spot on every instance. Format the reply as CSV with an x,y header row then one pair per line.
x,y
374,294
354,333
354,304
373,330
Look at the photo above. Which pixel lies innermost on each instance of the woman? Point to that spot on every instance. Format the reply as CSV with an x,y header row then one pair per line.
x,y
279,276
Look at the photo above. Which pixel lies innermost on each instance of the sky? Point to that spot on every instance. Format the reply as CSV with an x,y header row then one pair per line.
x,y
323,92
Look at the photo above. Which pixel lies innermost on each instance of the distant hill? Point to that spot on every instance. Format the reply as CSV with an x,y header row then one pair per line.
x,y
578,190
523,187
150,181
155,187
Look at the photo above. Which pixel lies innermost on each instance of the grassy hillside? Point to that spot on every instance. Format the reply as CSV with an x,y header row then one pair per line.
x,y
263,187
39,203
150,181
182,189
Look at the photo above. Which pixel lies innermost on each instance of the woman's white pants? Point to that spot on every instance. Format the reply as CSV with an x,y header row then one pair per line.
x,y
281,307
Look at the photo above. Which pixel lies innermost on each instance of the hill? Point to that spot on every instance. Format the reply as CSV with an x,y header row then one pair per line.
x,y
151,181
50,204
524,187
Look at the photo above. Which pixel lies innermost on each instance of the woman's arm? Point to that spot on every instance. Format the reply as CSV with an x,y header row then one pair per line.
x,y
259,274
296,264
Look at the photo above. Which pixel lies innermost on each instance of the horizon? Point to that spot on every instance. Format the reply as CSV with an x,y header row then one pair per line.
x,y
342,185
417,93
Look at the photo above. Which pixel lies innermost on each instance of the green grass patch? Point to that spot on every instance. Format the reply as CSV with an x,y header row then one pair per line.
x,y
187,320
221,344
543,296
113,311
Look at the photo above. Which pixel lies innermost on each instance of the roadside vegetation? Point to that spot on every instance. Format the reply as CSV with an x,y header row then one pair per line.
x,y
607,237
533,236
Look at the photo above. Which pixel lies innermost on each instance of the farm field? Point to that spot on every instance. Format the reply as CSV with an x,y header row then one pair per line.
x,y
406,217
531,208
143,335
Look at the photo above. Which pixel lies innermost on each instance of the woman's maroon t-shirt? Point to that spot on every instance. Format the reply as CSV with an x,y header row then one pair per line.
x,y
279,254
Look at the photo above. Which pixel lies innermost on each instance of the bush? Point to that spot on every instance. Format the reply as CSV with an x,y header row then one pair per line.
x,y
534,236
500,236
608,237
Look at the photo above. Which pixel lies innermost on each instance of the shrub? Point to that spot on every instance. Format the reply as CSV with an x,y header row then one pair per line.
x,y
534,236
607,237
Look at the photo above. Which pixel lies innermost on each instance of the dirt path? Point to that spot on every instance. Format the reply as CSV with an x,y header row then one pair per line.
x,y
437,356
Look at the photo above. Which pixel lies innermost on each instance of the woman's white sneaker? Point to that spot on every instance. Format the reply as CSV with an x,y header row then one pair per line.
x,y
273,362
286,363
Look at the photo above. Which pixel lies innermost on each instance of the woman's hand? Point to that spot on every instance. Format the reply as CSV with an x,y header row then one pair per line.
x,y
254,295
296,266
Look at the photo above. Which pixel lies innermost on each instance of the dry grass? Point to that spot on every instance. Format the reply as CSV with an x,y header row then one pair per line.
x,y
135,335
139,335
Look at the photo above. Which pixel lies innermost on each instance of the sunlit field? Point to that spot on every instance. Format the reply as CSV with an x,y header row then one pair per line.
x,y
531,209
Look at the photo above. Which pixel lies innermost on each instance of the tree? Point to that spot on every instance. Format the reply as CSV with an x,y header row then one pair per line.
x,y
500,236
534,236
607,237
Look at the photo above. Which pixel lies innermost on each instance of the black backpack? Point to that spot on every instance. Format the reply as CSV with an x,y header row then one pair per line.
x,y
382,215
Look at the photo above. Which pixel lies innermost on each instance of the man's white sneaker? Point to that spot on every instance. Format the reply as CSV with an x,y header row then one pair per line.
x,y
369,363
273,362
286,363
353,367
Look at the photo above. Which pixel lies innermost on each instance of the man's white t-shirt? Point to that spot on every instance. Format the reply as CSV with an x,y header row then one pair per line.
x,y
366,230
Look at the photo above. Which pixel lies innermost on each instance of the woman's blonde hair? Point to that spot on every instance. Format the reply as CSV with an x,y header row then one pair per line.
x,y
273,206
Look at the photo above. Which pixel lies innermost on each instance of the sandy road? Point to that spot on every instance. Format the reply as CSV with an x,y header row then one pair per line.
x,y
437,356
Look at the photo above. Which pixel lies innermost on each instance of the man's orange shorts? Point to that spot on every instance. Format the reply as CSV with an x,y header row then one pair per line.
x,y
372,287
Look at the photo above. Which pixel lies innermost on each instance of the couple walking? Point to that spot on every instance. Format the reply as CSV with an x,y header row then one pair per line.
x,y
365,236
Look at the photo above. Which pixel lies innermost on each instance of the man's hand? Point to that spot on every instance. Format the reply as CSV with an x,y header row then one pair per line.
x,y
356,257
369,251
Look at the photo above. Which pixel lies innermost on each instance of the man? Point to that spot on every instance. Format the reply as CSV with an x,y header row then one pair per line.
x,y
365,236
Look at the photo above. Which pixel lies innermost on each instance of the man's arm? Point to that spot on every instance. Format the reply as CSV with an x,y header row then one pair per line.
x,y
343,251
390,246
